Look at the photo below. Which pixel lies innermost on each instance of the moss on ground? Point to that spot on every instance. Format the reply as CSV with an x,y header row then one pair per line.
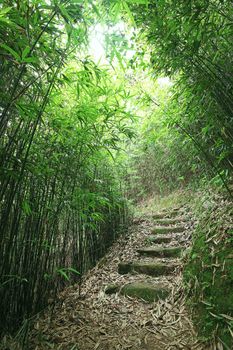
x,y
165,216
159,239
208,275
112,288
150,269
168,252
145,291
167,229
167,222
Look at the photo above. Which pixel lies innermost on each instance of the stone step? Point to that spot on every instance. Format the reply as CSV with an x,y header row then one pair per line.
x,y
166,214
150,269
159,239
160,252
167,222
168,229
142,290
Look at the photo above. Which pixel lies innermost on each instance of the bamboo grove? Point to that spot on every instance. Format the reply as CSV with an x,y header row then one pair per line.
x,y
65,118
191,42
61,205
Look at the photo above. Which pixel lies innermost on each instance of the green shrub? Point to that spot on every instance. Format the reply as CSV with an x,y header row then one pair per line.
x,y
208,273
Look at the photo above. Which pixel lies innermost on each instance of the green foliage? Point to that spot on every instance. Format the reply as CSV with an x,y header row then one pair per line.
x,y
64,272
63,118
191,43
163,159
209,270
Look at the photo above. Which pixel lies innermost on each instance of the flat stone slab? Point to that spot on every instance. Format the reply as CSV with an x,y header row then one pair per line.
x,y
150,269
145,291
167,222
168,229
160,252
159,239
168,214
112,289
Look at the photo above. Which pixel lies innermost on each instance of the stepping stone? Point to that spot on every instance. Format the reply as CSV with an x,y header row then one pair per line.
x,y
112,289
168,229
170,214
159,239
150,269
169,252
145,291
167,222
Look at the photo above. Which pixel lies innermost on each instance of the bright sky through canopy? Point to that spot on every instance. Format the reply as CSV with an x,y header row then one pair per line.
x,y
97,47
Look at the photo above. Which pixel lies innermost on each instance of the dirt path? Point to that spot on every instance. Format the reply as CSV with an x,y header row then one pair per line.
x,y
95,320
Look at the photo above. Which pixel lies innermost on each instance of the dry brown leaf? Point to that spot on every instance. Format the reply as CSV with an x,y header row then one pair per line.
x,y
105,322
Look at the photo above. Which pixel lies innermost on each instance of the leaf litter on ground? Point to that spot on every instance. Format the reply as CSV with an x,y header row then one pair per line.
x,y
94,320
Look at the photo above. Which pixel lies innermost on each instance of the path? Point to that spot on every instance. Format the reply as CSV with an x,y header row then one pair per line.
x,y
110,314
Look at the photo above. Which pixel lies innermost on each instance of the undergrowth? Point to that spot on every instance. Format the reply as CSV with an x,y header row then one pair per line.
x,y
159,203
208,274
208,271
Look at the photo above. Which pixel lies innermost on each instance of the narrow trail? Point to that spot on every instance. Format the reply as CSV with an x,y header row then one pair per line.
x,y
133,298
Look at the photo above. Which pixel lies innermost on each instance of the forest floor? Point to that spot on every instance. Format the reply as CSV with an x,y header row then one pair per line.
x,y
94,320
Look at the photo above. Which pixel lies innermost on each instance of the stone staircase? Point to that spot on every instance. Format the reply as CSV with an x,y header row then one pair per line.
x,y
159,257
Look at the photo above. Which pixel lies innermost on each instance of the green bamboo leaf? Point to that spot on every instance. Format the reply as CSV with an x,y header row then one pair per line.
x,y
129,13
138,2
63,273
71,269
12,52
5,20
116,10
29,59
25,52
4,11
94,8
119,59
26,208
32,59
64,13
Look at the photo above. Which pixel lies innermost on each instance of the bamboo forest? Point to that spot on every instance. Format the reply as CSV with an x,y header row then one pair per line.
x,y
116,174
